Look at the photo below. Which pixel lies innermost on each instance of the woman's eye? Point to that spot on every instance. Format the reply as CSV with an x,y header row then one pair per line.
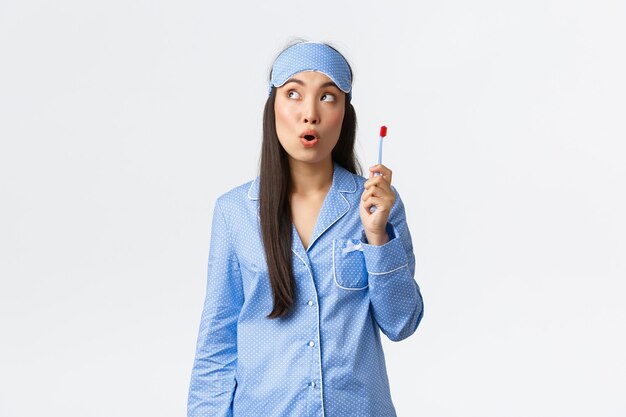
x,y
329,97
293,94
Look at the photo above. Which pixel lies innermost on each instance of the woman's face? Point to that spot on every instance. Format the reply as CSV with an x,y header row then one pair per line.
x,y
309,111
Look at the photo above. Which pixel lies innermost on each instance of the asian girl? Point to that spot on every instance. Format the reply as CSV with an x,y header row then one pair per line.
x,y
303,275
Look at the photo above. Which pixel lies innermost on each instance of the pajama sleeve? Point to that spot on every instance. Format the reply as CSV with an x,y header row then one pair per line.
x,y
213,382
395,297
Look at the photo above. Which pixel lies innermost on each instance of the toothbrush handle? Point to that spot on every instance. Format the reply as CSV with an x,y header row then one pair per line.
x,y
380,153
380,161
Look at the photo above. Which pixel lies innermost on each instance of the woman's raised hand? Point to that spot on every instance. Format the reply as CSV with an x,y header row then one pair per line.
x,y
377,193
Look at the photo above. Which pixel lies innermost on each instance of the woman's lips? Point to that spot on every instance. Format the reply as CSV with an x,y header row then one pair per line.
x,y
308,143
309,138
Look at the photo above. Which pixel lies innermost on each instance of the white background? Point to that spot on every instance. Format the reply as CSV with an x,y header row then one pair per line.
x,y
122,121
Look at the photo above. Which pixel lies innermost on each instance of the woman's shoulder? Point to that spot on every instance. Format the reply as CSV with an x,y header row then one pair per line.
x,y
238,195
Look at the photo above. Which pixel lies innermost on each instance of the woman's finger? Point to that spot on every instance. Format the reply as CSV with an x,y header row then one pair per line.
x,y
381,204
377,191
380,181
382,170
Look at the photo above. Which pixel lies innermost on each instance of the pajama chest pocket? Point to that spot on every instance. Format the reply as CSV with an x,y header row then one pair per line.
x,y
349,270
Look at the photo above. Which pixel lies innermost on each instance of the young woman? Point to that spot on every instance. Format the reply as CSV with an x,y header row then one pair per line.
x,y
302,272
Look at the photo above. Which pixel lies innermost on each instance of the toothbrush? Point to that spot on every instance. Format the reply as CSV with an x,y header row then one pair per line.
x,y
383,133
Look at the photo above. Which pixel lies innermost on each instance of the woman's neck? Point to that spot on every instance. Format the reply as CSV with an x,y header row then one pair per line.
x,y
311,178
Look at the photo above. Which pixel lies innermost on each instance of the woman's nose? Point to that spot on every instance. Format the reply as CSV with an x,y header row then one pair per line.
x,y
311,113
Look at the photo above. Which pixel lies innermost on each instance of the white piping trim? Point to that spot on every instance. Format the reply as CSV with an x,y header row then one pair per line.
x,y
388,272
250,189
328,227
335,274
319,323
353,184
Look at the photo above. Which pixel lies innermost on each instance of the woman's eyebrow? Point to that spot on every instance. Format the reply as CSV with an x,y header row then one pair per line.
x,y
297,81
330,84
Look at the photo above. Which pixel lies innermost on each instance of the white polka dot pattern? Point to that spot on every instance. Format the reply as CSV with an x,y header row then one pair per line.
x,y
325,358
312,56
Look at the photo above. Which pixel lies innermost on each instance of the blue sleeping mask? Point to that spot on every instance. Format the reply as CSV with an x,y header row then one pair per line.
x,y
312,56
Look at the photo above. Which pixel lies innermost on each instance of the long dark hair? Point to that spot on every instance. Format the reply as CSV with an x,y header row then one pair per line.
x,y
275,210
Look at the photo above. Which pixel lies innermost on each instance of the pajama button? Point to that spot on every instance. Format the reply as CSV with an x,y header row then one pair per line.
x,y
311,344
313,384
310,303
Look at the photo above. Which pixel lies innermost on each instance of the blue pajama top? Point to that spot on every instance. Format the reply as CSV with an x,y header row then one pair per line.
x,y
326,358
